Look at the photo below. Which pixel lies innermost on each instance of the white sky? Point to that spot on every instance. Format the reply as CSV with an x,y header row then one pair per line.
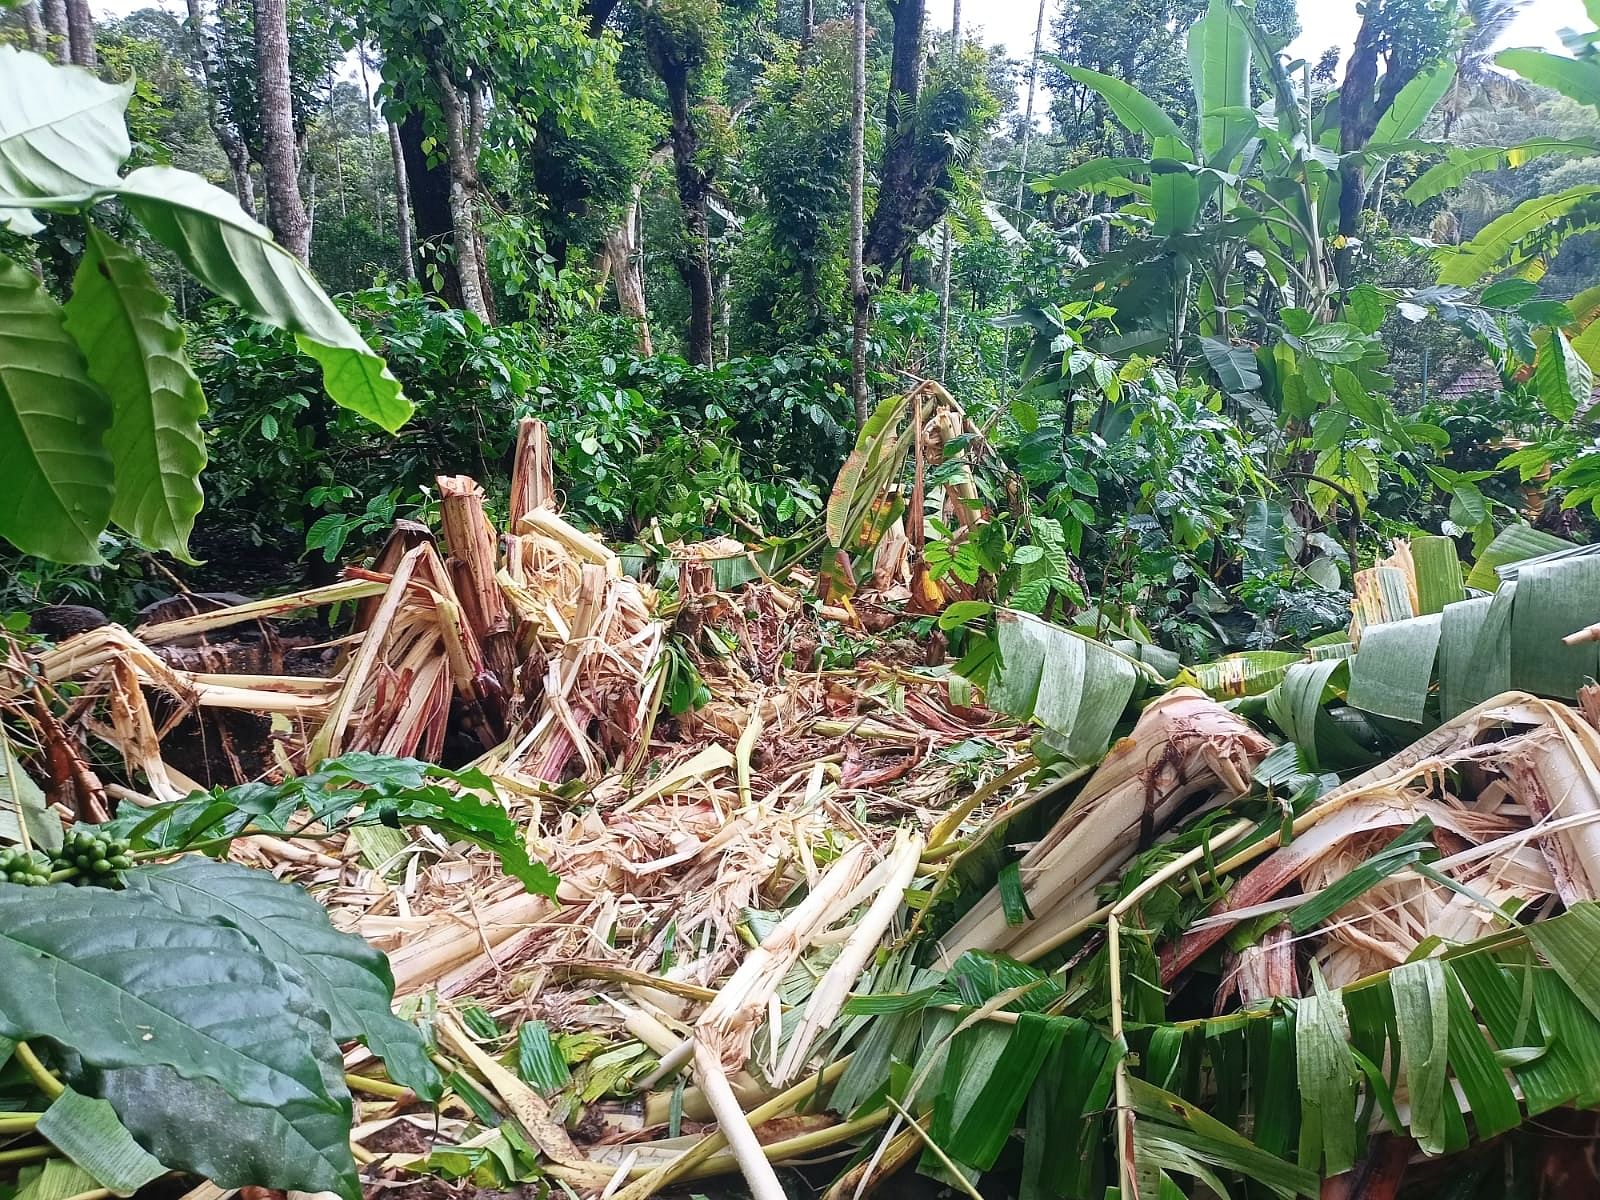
x,y
1323,23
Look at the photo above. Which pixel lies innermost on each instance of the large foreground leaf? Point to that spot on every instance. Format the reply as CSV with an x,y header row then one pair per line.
x,y
1565,381
1577,79
127,983
348,978
1074,686
1219,63
61,130
237,258
1133,108
1459,164
134,345
1412,106
55,476
1511,239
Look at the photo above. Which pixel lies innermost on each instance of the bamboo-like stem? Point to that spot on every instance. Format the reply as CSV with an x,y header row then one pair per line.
x,y
780,1151
377,1087
346,589
37,1071
678,1168
18,1122
1124,1113
948,824
829,995
1180,865
955,1172
758,1173
890,1156
330,737
27,1154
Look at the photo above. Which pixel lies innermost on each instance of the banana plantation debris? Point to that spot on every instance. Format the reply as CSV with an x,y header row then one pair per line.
x,y
843,920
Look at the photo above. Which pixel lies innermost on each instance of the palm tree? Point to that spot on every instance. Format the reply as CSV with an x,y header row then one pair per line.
x,y
1475,74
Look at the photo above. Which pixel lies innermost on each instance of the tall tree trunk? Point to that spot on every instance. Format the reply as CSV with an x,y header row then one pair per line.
x,y
233,147
402,204
1027,114
464,130
428,187
55,27
914,180
80,32
808,21
280,171
949,244
694,259
861,299
1364,98
621,260
34,24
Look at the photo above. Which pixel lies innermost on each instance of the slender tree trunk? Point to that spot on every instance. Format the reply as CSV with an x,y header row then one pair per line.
x,y
233,147
56,31
1027,113
694,261
34,24
280,171
80,32
402,204
465,131
622,261
428,188
949,244
808,21
913,182
861,299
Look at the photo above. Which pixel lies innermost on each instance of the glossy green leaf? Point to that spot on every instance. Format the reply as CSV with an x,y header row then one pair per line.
x,y
349,979
1564,380
53,422
1326,1077
1174,1122
1089,175
1512,544
973,1117
1554,597
1438,571
1296,704
1393,671
135,351
1460,164
237,258
1576,79
1074,686
179,1022
1133,108
538,1061
61,131
1483,1080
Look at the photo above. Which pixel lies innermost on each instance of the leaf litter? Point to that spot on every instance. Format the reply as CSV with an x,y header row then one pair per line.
x,y
804,911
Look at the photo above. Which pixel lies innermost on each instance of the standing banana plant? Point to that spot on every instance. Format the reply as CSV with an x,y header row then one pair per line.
x,y
99,407
1247,213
